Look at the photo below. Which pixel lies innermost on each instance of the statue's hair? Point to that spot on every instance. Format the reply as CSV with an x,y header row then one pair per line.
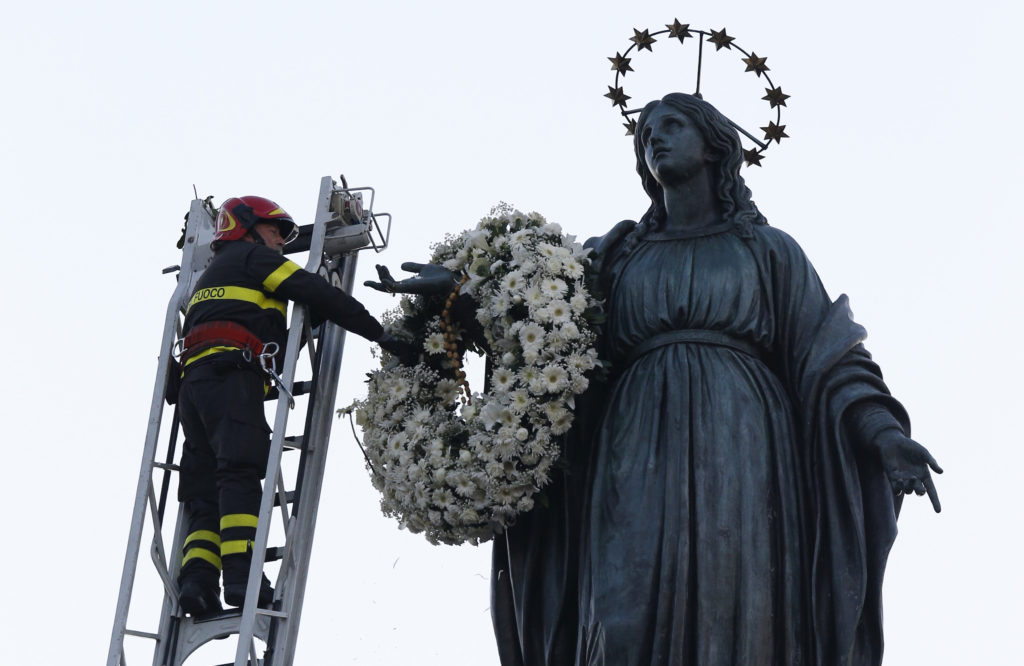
x,y
723,143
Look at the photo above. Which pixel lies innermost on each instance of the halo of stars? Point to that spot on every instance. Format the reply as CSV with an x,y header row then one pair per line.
x,y
644,39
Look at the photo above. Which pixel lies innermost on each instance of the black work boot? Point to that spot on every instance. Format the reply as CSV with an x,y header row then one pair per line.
x,y
236,577
199,592
234,593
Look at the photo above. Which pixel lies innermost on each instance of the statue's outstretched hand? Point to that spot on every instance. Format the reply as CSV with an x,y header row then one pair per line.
x,y
429,279
907,463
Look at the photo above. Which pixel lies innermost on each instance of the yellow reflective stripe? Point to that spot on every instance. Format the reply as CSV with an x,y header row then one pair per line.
x,y
235,547
254,296
202,554
203,535
282,273
207,352
237,520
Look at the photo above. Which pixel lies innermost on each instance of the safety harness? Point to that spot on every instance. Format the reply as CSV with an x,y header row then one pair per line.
x,y
205,337
218,336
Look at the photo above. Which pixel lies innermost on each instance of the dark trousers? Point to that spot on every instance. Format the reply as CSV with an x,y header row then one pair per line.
x,y
227,441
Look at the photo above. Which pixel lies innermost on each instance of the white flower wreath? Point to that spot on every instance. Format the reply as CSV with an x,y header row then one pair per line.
x,y
463,475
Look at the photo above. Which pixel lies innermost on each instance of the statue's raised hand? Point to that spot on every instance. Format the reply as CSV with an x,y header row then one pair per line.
x,y
907,464
429,279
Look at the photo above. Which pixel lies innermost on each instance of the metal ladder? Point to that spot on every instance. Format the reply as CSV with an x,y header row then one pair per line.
x,y
341,228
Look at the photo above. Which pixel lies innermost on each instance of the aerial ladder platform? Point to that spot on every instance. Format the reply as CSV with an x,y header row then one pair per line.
x,y
342,227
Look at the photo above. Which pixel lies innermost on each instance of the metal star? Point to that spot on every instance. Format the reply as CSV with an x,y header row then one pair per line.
x,y
755,64
617,96
679,30
621,64
721,40
643,40
775,132
775,97
630,126
752,157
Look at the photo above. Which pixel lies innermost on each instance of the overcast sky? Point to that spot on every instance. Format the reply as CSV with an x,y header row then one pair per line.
x,y
901,180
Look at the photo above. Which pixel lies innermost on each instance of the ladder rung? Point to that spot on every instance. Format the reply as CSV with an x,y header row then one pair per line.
x,y
271,613
292,442
274,554
289,496
298,388
173,468
142,634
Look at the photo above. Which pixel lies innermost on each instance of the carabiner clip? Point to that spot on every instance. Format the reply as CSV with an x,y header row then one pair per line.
x,y
269,365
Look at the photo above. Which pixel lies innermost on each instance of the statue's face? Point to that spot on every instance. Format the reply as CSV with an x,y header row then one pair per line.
x,y
673,146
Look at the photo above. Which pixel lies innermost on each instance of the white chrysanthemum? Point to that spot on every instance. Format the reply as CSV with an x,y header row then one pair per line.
x,y
484,316
477,239
547,250
446,390
434,344
572,268
490,414
561,425
552,410
513,282
554,287
553,266
580,362
531,335
555,378
444,498
505,449
558,312
535,296
519,401
555,342
400,389
420,416
499,305
570,331
503,380
506,495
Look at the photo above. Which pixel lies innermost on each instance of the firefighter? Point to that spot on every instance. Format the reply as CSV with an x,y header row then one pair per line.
x,y
236,313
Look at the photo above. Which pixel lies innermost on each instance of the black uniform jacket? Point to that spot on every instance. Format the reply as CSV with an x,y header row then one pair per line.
x,y
250,284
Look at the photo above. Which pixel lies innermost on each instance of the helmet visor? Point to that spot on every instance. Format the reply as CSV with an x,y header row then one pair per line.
x,y
289,230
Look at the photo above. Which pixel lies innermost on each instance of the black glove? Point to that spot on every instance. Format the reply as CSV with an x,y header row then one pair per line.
x,y
405,352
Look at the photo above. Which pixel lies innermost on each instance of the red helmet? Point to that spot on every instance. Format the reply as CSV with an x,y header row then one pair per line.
x,y
238,215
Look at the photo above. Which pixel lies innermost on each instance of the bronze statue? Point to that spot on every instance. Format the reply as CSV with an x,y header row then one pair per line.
x,y
730,494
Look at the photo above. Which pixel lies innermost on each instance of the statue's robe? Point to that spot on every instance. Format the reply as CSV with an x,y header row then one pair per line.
x,y
718,502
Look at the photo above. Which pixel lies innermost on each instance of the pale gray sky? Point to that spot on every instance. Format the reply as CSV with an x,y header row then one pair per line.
x,y
898,181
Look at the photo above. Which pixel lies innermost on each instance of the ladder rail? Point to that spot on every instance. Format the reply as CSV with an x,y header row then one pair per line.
x,y
145,481
305,513
295,332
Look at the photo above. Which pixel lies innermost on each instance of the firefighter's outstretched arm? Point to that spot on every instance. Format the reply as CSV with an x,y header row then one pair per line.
x,y
287,279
